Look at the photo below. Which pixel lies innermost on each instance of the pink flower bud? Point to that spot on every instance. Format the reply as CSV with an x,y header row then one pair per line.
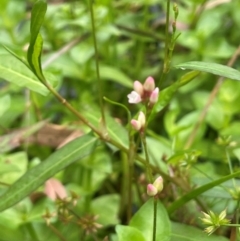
x,y
136,125
151,190
142,119
134,97
154,96
149,84
138,87
158,184
140,122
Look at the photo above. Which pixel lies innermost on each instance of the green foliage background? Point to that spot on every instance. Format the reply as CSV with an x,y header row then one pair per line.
x,y
130,39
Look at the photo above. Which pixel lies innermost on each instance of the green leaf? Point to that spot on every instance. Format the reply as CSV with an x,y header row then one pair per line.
x,y
126,233
8,233
183,232
13,70
216,69
198,191
36,176
35,47
5,103
143,221
114,74
115,130
13,166
108,214
22,59
37,16
167,94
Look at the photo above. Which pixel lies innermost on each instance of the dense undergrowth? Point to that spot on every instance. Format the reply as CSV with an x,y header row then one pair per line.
x,y
89,153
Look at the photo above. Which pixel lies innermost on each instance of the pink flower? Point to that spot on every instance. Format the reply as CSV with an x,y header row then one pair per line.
x,y
151,190
140,122
154,96
54,189
158,184
155,188
144,92
149,84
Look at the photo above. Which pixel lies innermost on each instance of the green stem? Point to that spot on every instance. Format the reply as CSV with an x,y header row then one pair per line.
x,y
100,83
154,218
230,167
140,32
231,225
57,232
131,157
236,232
167,31
166,49
32,232
148,166
103,136
124,184
88,184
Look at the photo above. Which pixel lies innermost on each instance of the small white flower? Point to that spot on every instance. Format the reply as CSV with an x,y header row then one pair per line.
x,y
134,97
138,87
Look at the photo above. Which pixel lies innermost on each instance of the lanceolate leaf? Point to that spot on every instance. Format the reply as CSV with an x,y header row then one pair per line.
x,y
37,16
212,68
35,48
167,94
15,71
36,176
198,191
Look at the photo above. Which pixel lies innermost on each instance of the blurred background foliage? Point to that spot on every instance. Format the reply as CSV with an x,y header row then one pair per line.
x,y
130,39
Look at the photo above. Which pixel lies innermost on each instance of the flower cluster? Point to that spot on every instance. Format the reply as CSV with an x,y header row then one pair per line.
x,y
144,92
155,188
214,221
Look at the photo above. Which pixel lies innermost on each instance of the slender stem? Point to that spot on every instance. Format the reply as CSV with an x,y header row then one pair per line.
x,y
75,112
100,83
154,217
166,49
57,232
32,232
5,184
140,32
230,167
83,235
237,216
197,13
124,184
231,225
131,157
88,186
148,166
166,35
